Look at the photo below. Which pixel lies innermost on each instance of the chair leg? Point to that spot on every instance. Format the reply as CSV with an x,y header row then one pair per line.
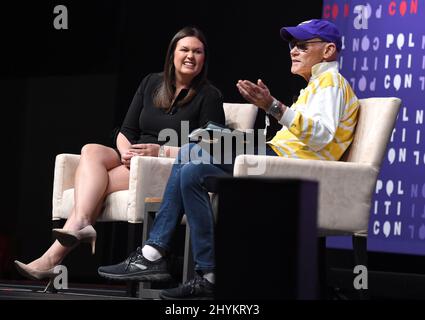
x,y
360,258
360,250
151,209
133,238
188,265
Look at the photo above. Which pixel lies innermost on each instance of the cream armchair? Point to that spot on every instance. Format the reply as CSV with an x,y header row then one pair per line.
x,y
148,177
125,205
346,186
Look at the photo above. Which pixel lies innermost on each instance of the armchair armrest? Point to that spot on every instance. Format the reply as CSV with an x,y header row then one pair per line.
x,y
345,188
65,167
148,178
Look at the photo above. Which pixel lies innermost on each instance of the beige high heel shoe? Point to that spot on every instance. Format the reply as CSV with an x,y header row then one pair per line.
x,y
69,238
34,274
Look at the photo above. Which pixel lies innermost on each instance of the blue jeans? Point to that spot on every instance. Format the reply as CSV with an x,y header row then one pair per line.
x,y
185,194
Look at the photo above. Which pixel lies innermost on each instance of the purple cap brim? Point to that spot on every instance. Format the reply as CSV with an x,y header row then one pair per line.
x,y
289,33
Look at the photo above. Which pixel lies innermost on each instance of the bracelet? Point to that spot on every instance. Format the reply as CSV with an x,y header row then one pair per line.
x,y
161,152
275,109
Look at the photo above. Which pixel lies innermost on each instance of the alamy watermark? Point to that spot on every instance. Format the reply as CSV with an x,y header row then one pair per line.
x,y
60,281
363,15
61,20
360,281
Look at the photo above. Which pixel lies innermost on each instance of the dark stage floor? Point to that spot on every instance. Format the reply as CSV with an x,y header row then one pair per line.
x,y
34,291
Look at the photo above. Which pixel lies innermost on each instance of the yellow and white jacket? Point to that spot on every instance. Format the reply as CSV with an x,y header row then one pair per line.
x,y
321,123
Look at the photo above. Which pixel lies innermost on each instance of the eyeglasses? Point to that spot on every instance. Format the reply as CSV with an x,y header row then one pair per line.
x,y
302,45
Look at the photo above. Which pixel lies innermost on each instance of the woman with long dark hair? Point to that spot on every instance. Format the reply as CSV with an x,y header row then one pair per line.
x,y
179,96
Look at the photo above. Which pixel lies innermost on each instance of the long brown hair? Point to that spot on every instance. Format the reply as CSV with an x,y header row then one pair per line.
x,y
163,97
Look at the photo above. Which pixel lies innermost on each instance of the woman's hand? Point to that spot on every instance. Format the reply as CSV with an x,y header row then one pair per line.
x,y
145,149
140,149
126,158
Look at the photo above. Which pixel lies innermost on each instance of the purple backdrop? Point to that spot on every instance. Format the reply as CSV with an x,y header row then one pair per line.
x,y
384,55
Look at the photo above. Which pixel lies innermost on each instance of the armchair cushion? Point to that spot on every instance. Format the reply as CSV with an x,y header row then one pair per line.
x,y
240,115
65,167
343,206
148,178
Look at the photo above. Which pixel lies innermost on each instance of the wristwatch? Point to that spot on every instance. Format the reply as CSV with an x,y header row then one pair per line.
x,y
275,109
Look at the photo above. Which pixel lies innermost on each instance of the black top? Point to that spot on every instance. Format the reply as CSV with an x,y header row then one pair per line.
x,y
144,120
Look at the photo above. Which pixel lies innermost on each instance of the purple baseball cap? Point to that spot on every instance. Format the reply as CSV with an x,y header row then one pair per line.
x,y
315,28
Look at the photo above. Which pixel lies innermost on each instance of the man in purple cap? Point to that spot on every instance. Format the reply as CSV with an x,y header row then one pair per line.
x,y
321,123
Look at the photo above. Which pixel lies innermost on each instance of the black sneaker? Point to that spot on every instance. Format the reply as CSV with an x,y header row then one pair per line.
x,y
196,289
137,267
